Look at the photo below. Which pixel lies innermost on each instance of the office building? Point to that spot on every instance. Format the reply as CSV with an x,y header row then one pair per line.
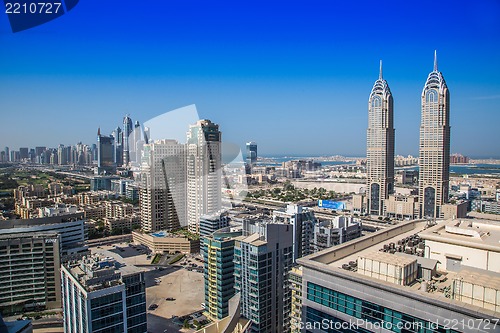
x,y
102,295
386,282
379,146
105,154
70,227
218,254
29,278
163,189
213,222
7,154
251,153
127,130
337,231
434,177
203,171
118,146
23,153
302,221
261,264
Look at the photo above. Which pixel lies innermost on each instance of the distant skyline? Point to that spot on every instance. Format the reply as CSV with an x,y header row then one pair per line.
x,y
295,77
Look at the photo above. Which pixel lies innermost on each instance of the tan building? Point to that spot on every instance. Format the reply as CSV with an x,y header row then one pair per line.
x,y
163,242
94,212
402,206
359,203
434,172
127,222
454,210
380,147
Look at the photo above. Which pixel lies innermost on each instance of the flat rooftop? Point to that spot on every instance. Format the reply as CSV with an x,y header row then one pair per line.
x,y
408,229
474,233
334,259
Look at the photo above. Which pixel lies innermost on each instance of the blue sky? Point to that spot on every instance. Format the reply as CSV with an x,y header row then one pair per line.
x,y
294,76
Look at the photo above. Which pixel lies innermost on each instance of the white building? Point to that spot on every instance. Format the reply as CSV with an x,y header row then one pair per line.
x,y
203,171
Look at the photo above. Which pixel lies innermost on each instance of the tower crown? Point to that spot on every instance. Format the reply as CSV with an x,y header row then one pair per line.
x,y
380,87
435,80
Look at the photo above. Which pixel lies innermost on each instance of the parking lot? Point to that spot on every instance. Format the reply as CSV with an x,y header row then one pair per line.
x,y
181,283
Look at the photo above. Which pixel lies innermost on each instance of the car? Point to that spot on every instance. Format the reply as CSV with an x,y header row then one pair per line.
x,y
203,306
153,307
169,299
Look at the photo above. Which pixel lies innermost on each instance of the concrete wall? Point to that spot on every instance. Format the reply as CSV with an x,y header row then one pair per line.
x,y
471,257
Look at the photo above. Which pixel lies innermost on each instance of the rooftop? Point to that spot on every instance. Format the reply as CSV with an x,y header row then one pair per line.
x,y
474,233
383,246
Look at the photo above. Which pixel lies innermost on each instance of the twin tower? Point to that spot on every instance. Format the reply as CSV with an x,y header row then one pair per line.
x,y
434,145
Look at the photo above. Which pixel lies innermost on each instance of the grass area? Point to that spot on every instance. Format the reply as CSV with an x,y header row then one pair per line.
x,y
156,259
176,258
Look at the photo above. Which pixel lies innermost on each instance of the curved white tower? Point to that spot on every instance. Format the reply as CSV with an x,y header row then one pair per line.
x,y
379,146
434,177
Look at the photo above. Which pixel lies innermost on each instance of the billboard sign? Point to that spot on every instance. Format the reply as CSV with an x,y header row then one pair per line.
x,y
329,204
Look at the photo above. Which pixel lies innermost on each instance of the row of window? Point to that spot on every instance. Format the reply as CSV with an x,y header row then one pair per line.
x,y
390,319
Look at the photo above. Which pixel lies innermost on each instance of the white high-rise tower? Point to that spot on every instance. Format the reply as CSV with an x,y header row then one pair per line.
x,y
203,171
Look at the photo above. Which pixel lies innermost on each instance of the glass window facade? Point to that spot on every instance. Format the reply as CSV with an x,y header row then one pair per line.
x,y
390,319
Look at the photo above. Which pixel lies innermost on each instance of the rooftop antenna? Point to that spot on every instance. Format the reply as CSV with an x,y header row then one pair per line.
x,y
435,61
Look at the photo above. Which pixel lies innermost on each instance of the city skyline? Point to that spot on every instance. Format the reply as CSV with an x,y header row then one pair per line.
x,y
275,75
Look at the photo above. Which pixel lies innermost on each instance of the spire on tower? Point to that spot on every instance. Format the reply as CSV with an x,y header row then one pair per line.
x,y
380,73
98,131
435,61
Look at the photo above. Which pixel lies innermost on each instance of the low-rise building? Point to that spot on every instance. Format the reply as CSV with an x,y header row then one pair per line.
x,y
164,242
402,207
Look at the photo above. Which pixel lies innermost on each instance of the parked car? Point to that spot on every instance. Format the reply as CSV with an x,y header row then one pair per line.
x,y
169,299
153,307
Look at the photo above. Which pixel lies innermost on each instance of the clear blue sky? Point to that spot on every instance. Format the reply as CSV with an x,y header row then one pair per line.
x,y
294,76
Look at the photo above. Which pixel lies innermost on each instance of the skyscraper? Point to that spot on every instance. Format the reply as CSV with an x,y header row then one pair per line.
x,y
251,153
379,146
127,130
118,154
434,175
105,151
261,264
203,171
163,189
